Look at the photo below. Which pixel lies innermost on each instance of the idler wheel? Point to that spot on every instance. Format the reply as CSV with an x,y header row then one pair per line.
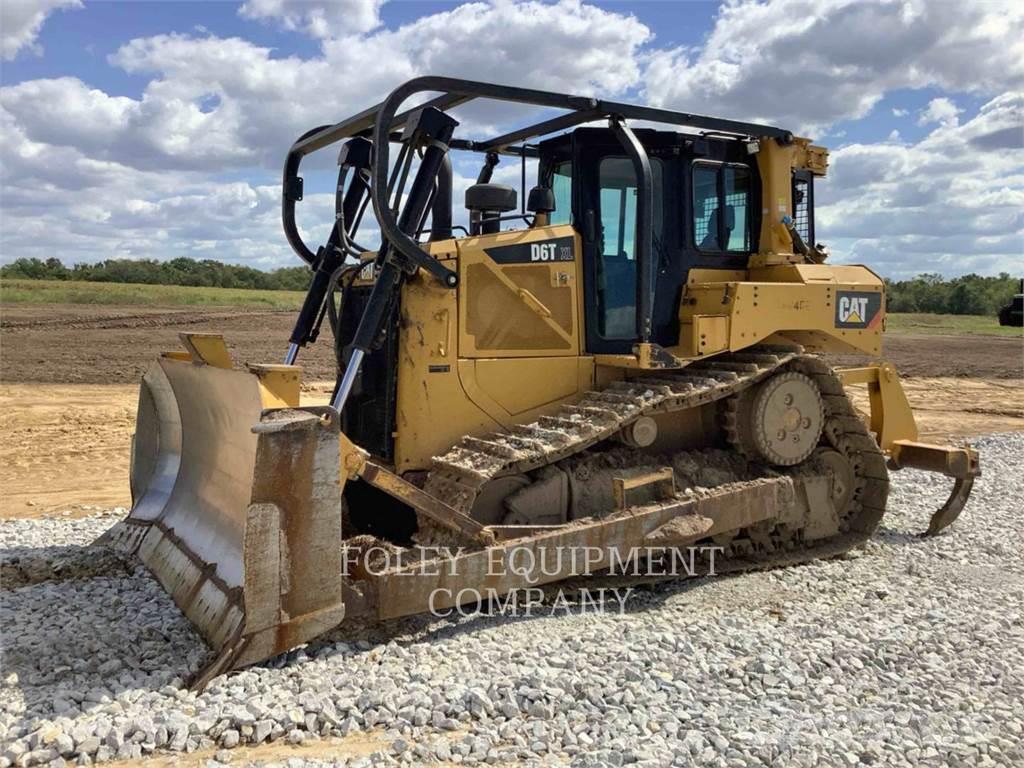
x,y
778,422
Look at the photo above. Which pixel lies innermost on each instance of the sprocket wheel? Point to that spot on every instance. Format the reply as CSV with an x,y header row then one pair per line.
x,y
778,422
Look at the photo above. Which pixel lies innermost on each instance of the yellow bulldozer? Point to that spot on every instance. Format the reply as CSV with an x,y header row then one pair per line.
x,y
624,363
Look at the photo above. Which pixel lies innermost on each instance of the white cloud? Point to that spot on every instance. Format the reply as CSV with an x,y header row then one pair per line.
x,y
563,46
21,20
226,103
809,63
1000,125
215,104
138,214
897,112
941,110
336,18
162,130
952,203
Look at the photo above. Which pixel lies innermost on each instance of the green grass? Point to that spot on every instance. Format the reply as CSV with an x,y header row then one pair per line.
x,y
950,325
74,292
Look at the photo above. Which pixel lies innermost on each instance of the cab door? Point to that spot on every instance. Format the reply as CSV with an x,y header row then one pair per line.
x,y
605,187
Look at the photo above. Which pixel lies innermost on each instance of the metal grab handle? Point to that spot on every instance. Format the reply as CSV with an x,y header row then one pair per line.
x,y
533,303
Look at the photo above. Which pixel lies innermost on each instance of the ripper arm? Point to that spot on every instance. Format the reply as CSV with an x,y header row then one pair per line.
x,y
892,422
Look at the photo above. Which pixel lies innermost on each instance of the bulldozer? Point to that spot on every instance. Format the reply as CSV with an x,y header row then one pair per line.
x,y
628,361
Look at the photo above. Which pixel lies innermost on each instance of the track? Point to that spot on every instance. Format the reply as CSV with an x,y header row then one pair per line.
x,y
460,474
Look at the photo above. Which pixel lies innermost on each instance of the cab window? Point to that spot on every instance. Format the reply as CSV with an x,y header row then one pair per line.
x,y
561,186
617,273
721,207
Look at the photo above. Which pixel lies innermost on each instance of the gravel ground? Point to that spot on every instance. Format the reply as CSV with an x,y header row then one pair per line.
x,y
907,652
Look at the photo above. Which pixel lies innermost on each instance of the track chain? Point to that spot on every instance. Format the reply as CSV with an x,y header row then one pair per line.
x,y
458,476
845,431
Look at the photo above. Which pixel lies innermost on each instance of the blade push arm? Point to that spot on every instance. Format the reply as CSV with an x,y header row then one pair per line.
x,y
432,129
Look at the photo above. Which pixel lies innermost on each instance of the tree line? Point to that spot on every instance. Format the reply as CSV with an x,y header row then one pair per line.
x,y
192,272
965,295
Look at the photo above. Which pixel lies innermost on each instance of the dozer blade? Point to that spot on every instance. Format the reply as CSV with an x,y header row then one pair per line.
x,y
236,507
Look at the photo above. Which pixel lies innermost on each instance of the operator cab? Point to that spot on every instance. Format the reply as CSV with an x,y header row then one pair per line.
x,y
706,213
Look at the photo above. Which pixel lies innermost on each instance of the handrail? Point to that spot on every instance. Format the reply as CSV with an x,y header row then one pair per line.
x,y
644,233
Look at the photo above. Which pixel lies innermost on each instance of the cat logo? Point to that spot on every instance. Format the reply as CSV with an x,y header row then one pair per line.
x,y
858,309
852,309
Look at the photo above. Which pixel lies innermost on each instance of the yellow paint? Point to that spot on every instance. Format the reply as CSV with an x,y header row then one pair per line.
x,y
705,275
538,382
432,409
789,302
353,459
448,386
503,349
617,361
207,348
891,419
708,334
646,357
518,310
279,385
776,162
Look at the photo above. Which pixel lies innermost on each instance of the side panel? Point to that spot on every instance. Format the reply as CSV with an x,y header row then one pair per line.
x,y
518,390
433,410
517,295
825,308
502,349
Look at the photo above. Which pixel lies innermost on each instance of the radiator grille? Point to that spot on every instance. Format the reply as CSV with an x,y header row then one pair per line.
x,y
368,418
498,318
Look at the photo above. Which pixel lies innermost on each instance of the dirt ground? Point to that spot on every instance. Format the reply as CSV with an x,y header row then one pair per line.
x,y
69,378
968,356
84,344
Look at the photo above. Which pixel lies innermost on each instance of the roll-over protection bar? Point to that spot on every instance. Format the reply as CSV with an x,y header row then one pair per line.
x,y
382,119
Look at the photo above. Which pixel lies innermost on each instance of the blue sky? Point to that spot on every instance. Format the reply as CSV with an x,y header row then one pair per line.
x,y
156,129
